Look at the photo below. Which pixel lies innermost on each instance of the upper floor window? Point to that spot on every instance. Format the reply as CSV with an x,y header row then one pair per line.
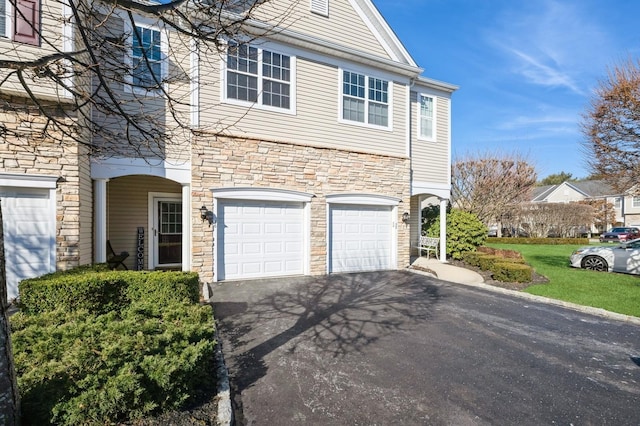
x,y
427,119
635,202
365,99
20,22
259,76
617,202
147,58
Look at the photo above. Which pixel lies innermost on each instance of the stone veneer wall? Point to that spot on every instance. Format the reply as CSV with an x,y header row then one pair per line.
x,y
51,155
225,162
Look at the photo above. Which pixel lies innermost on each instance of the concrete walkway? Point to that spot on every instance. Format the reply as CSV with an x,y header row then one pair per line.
x,y
448,272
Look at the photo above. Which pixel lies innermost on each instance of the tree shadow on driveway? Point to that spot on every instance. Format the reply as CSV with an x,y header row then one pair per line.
x,y
335,315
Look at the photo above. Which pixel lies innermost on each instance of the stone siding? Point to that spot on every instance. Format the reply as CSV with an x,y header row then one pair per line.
x,y
225,162
34,152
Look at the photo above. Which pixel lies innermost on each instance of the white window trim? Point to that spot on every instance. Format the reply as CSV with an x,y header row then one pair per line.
x,y
434,138
341,119
635,201
258,104
164,48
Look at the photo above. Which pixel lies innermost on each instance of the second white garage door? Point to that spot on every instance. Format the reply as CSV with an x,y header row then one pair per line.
x,y
260,239
360,238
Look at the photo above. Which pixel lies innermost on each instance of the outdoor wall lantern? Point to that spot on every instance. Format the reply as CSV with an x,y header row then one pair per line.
x,y
405,217
205,214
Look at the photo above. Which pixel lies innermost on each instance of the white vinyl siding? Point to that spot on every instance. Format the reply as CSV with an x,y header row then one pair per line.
x,y
298,17
128,208
316,121
430,161
259,76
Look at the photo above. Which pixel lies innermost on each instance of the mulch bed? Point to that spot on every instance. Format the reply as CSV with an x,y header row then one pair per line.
x,y
488,277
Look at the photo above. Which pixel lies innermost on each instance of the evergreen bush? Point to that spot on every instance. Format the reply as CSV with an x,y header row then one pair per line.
x,y
465,232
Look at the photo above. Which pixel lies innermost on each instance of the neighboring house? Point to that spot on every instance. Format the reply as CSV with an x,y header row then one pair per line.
x,y
567,192
325,173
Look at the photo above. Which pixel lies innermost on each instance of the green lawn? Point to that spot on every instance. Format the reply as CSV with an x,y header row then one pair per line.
x,y
611,291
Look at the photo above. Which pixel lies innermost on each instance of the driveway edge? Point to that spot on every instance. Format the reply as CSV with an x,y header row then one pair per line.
x,y
534,298
224,412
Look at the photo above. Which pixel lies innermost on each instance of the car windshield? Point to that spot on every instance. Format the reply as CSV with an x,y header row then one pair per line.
x,y
620,230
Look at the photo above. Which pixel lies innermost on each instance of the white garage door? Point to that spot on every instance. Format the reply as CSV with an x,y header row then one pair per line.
x,y
360,238
29,232
260,239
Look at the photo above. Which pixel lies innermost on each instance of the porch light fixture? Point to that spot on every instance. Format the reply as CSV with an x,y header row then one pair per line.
x,y
205,215
405,217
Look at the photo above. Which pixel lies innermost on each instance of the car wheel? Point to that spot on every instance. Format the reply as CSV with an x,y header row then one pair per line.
x,y
595,263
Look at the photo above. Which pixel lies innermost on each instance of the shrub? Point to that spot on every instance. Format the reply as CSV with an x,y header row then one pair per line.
x,y
99,291
465,232
486,261
512,272
507,254
471,258
83,368
542,241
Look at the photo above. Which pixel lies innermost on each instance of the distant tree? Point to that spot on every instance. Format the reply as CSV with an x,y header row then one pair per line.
x,y
604,213
491,185
556,179
557,219
611,126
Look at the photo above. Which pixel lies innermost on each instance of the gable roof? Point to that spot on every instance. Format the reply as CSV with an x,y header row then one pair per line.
x,y
588,188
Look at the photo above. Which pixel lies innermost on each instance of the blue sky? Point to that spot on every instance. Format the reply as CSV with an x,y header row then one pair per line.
x,y
526,69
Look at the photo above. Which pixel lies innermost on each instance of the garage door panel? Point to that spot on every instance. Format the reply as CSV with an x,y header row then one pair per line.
x,y
29,228
360,238
270,239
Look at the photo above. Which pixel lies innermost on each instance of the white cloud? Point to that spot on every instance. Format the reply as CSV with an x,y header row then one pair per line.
x,y
550,43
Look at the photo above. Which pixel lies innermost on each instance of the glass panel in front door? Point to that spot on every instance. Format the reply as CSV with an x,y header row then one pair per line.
x,y
169,232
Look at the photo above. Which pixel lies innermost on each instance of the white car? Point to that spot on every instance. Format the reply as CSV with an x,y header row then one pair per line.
x,y
624,258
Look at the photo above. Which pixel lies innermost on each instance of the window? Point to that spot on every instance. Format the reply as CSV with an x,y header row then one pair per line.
x,y
365,99
426,122
147,60
635,202
617,203
3,18
22,22
259,76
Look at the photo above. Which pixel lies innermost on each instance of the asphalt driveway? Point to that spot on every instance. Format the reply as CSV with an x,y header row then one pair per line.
x,y
401,348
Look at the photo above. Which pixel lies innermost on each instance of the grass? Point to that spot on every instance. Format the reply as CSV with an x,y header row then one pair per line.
x,y
611,291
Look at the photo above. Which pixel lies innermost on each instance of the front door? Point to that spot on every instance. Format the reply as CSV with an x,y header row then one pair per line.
x,y
168,233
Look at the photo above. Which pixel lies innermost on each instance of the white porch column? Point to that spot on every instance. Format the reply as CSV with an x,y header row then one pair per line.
x,y
186,226
443,230
100,220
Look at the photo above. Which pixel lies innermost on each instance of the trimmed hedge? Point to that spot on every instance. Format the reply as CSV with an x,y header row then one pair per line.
x,y
99,291
511,268
512,272
543,241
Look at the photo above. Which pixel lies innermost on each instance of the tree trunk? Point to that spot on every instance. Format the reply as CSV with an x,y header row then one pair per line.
x,y
9,396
